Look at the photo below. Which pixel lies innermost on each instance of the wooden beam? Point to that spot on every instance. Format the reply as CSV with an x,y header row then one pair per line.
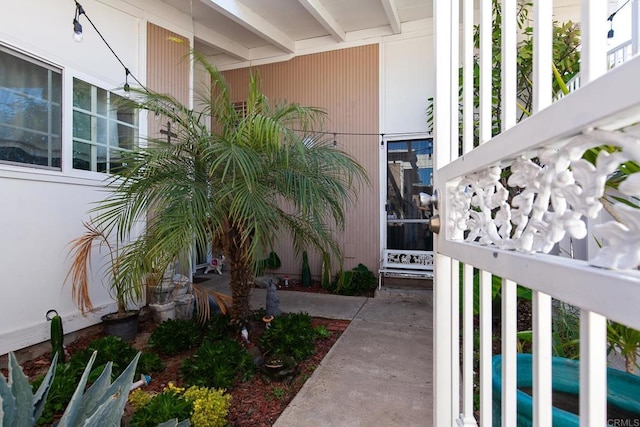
x,y
253,22
221,42
322,15
391,10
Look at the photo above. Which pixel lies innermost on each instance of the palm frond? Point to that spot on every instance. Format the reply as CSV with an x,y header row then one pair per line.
x,y
203,307
80,253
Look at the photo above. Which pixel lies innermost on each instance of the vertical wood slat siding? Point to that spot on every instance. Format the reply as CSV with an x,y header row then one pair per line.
x,y
168,69
346,84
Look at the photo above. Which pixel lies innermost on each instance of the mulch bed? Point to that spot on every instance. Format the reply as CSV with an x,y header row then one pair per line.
x,y
257,402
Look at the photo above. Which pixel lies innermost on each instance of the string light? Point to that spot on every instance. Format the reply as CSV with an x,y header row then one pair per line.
x,y
77,33
126,81
77,27
610,19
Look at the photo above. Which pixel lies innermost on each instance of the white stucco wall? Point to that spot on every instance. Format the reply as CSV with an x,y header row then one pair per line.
x,y
42,211
406,82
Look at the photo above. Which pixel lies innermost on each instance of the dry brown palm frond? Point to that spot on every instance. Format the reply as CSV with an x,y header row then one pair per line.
x,y
80,253
202,295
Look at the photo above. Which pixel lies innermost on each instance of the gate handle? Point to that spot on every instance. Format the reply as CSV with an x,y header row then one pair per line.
x,y
427,199
434,224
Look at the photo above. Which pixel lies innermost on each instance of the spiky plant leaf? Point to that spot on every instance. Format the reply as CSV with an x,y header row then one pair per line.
x,y
7,402
21,390
40,398
71,413
123,382
90,399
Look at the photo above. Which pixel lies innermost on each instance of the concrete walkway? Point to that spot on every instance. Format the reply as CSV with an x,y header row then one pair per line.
x,y
378,373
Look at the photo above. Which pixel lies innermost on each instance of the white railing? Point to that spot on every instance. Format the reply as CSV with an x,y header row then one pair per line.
x,y
509,228
615,57
620,54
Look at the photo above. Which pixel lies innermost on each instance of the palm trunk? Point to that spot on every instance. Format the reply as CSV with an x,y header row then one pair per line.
x,y
241,267
630,362
240,291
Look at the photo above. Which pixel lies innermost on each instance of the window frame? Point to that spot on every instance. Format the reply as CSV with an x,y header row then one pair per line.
x,y
95,115
50,68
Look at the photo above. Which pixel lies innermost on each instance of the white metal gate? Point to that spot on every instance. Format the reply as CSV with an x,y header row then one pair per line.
x,y
509,229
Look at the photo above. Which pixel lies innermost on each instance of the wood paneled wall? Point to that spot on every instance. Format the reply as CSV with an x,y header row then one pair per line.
x,y
168,69
346,84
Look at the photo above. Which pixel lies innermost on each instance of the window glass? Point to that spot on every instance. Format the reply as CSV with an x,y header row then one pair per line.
x,y
30,112
103,124
409,173
103,102
81,95
81,125
81,156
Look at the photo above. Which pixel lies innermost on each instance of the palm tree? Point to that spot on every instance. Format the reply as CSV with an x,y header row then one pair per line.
x,y
240,183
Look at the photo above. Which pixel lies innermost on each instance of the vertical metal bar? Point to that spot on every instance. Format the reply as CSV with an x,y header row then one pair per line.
x,y
509,352
486,58
467,418
442,366
454,152
635,27
542,54
593,31
542,96
455,65
467,76
509,63
455,337
593,363
486,349
541,359
593,369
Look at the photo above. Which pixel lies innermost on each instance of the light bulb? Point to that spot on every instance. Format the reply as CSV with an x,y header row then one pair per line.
x,y
77,31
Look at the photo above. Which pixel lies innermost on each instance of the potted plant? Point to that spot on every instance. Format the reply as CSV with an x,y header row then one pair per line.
x,y
124,287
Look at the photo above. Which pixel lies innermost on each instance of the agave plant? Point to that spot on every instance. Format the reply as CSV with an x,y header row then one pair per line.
x,y
234,179
102,404
18,405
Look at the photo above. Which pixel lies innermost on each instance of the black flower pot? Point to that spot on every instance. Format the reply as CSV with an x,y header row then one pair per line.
x,y
124,326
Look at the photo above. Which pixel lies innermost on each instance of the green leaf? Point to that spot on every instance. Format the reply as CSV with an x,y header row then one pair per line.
x,y
21,390
71,413
7,400
40,398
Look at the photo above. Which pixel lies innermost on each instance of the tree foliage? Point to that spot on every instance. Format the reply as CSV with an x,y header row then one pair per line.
x,y
566,60
234,179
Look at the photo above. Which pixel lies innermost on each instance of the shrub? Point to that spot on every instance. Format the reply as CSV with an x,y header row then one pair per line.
x,y
165,406
119,352
216,328
218,365
322,332
358,281
139,398
210,406
175,336
290,335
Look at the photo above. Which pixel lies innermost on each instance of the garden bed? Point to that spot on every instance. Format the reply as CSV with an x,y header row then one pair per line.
x,y
255,402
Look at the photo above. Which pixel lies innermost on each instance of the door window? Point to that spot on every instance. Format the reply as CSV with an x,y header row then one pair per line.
x,y
409,173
